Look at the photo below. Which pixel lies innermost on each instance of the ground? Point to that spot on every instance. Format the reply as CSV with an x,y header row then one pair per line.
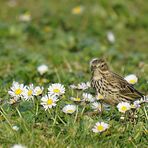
x,y
66,41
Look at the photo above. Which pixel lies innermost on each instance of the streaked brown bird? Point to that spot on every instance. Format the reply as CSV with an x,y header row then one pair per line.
x,y
112,86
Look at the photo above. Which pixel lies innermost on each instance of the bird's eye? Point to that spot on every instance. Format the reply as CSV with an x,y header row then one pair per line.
x,y
102,65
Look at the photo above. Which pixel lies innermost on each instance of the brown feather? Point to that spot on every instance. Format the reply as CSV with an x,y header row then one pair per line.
x,y
113,87
126,90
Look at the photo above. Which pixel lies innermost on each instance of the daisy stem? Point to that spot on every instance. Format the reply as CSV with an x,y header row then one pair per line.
x,y
49,112
72,92
4,115
33,101
62,120
51,117
19,112
76,116
83,110
54,120
37,108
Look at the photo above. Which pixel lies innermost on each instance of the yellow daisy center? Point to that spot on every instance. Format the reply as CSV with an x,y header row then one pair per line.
x,y
30,92
27,14
49,101
100,128
132,81
18,91
70,111
39,92
77,99
100,97
76,10
56,90
123,108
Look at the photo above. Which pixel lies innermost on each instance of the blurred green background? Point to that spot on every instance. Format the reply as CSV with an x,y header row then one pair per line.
x,y
66,35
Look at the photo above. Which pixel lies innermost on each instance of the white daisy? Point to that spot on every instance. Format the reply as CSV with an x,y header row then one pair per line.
x,y
83,86
56,89
13,100
25,17
38,90
73,86
77,10
69,109
122,117
76,99
28,92
96,106
100,127
99,97
136,104
123,107
131,79
48,101
18,146
15,128
88,97
88,84
42,69
110,37
16,89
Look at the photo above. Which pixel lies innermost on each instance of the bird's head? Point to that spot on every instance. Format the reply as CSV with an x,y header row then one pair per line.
x,y
98,64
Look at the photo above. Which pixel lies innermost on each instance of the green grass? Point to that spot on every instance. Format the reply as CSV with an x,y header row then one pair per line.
x,y
71,42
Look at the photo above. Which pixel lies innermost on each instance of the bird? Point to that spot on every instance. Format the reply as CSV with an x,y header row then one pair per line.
x,y
113,87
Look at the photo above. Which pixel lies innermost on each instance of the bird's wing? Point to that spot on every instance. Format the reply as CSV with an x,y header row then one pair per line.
x,y
126,90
